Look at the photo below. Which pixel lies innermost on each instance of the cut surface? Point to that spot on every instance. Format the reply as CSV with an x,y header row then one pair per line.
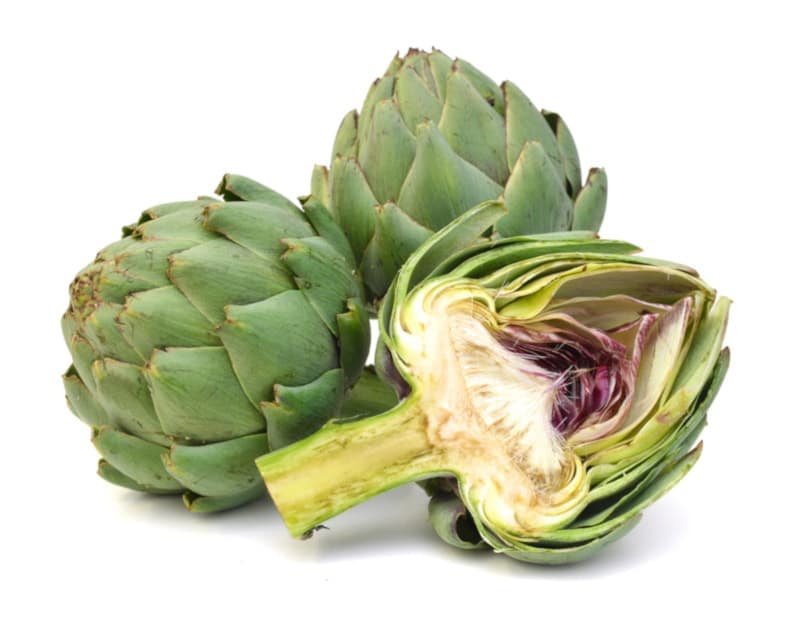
x,y
503,401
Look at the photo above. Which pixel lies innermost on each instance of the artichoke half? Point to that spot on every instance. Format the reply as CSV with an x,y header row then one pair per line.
x,y
553,387
212,332
435,137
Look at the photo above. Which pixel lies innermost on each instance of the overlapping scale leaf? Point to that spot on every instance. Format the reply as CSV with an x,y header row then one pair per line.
x,y
354,339
535,196
122,391
191,387
220,272
353,203
296,412
218,469
82,402
387,151
135,458
418,100
441,185
473,128
162,317
322,275
264,340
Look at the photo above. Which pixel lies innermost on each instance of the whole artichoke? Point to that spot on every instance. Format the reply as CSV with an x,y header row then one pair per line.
x,y
435,137
211,333
554,386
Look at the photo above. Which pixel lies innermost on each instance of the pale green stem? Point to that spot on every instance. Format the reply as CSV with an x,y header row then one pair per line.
x,y
347,462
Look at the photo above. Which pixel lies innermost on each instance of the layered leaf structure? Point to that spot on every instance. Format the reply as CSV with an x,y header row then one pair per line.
x,y
214,331
434,138
553,387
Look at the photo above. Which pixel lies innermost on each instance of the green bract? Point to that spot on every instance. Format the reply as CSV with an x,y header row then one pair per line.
x,y
554,386
434,138
211,333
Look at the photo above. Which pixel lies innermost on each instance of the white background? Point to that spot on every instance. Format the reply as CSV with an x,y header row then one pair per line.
x,y
106,110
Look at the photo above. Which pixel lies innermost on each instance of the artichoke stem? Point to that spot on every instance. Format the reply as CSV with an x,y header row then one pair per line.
x,y
347,462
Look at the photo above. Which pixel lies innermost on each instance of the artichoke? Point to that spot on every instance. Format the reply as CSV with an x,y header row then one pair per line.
x,y
553,386
435,137
212,332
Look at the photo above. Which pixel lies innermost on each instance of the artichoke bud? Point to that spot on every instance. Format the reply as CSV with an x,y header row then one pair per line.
x,y
435,137
559,379
214,331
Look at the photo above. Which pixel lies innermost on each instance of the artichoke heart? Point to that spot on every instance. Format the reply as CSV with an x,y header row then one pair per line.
x,y
553,386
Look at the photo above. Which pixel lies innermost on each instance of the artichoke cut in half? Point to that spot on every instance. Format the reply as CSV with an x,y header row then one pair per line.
x,y
552,387
436,137
214,331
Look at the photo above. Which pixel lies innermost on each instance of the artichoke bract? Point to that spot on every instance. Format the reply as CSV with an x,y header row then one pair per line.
x,y
553,386
435,137
214,331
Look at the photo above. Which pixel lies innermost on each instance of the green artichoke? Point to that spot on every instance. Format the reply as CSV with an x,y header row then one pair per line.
x,y
436,137
212,332
554,386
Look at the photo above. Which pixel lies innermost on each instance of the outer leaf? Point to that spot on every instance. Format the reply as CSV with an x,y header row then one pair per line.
x,y
590,205
354,339
482,84
387,151
296,412
346,143
441,185
111,474
396,236
200,504
535,196
380,90
137,459
163,317
569,151
441,245
576,553
524,124
81,401
453,523
473,128
240,188
417,102
326,226
322,275
197,396
218,469
101,331
123,394
259,227
279,340
369,396
354,201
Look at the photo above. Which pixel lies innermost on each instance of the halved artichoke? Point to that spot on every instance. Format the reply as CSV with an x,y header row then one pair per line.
x,y
435,137
553,387
212,332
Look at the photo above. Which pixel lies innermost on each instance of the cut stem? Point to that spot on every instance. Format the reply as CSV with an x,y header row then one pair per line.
x,y
345,463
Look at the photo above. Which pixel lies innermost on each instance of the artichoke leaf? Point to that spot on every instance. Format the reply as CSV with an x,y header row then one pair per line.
x,y
197,395
296,412
473,128
135,458
387,151
441,185
281,339
590,204
217,469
